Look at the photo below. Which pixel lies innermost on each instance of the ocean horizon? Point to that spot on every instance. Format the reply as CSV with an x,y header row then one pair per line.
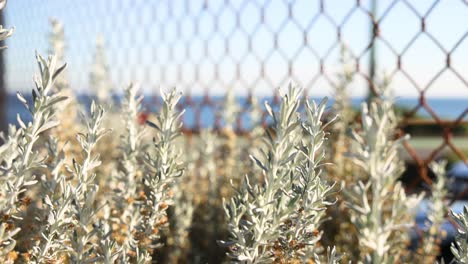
x,y
445,108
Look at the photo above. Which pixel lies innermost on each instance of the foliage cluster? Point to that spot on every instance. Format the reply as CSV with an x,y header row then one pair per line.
x,y
108,189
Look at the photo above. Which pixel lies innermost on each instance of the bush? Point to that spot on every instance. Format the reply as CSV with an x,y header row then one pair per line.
x,y
304,190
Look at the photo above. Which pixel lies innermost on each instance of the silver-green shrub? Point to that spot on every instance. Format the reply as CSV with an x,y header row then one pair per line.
x,y
82,243
340,232
279,219
256,212
163,167
181,219
72,227
18,172
342,107
4,33
381,210
437,211
99,79
56,215
460,246
126,200
57,47
230,109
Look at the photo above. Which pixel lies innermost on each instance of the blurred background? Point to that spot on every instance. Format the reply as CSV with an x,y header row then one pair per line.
x,y
252,48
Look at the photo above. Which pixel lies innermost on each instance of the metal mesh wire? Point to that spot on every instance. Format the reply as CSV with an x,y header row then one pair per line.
x,y
256,46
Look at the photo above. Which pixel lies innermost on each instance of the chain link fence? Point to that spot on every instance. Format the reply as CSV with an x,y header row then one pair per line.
x,y
257,46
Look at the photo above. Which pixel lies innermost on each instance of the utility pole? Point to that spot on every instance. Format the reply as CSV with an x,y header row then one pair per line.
x,y
372,57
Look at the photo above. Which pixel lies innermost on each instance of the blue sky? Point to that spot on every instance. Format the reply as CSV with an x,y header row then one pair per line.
x,y
178,43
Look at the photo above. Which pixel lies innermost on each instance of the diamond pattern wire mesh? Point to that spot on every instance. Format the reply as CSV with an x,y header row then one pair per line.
x,y
256,46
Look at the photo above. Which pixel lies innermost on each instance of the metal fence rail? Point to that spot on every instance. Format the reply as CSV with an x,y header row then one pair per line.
x,y
256,46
